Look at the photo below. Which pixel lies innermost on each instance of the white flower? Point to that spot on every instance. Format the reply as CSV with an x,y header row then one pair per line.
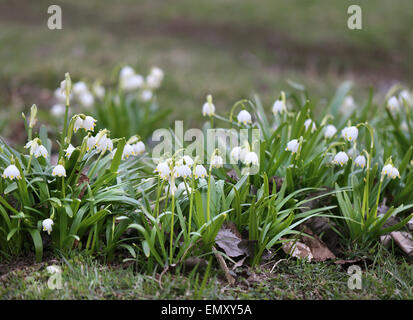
x,y
350,133
352,153
58,110
99,91
235,153
78,124
278,107
163,170
138,148
330,131
341,158
127,151
89,123
360,161
251,158
186,160
292,146
60,96
104,143
390,171
126,72
307,124
11,172
200,171
183,171
40,151
208,109
146,95
244,117
47,225
348,104
154,79
132,83
69,151
80,88
86,99
63,87
171,187
405,96
217,161
90,143
393,104
182,187
59,171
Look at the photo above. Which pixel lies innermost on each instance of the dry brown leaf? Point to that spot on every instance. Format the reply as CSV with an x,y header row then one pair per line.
x,y
318,248
297,249
228,241
404,241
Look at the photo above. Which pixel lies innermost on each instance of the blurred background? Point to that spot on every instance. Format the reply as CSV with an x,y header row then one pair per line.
x,y
232,49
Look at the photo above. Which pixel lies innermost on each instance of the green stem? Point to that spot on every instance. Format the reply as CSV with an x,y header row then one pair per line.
x,y
172,229
64,132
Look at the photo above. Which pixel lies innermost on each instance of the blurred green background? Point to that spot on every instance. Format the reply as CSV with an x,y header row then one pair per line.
x,y
229,48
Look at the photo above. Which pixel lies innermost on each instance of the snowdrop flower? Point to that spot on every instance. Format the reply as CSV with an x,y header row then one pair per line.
x,y
187,160
60,96
99,91
40,151
217,161
182,171
330,131
11,172
47,225
278,107
393,104
307,124
89,123
104,143
90,143
182,187
132,83
208,109
405,96
78,124
292,146
63,87
360,161
146,95
154,79
80,88
352,153
348,104
126,72
127,151
171,187
138,148
163,170
58,110
350,133
59,171
390,171
86,99
244,117
341,158
200,171
238,153
251,158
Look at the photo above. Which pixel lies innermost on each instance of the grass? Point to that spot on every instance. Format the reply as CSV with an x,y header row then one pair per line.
x,y
203,49
388,276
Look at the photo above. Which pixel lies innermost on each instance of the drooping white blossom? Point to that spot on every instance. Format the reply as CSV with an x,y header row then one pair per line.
x,y
69,151
360,161
59,171
244,117
127,151
390,171
307,124
138,148
200,171
340,158
163,170
292,146
208,109
393,104
251,158
11,172
330,131
182,171
47,225
278,107
350,133
217,161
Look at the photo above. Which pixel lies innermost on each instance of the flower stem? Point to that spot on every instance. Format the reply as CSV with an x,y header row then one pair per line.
x,y
172,229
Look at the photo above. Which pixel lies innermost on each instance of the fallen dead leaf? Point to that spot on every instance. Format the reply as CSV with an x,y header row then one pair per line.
x,y
228,241
404,240
318,248
297,249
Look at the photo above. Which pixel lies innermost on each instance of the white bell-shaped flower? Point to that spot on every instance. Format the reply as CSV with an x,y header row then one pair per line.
x,y
200,171
59,171
182,188
278,107
138,148
208,109
217,161
186,160
163,170
126,72
182,171
350,133
47,225
393,104
292,146
127,151
244,117
11,172
78,124
341,158
405,96
90,143
104,144
330,131
390,171
89,123
132,83
146,95
307,124
86,99
251,158
360,161
99,91
348,105
69,151
58,110
40,151
80,88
